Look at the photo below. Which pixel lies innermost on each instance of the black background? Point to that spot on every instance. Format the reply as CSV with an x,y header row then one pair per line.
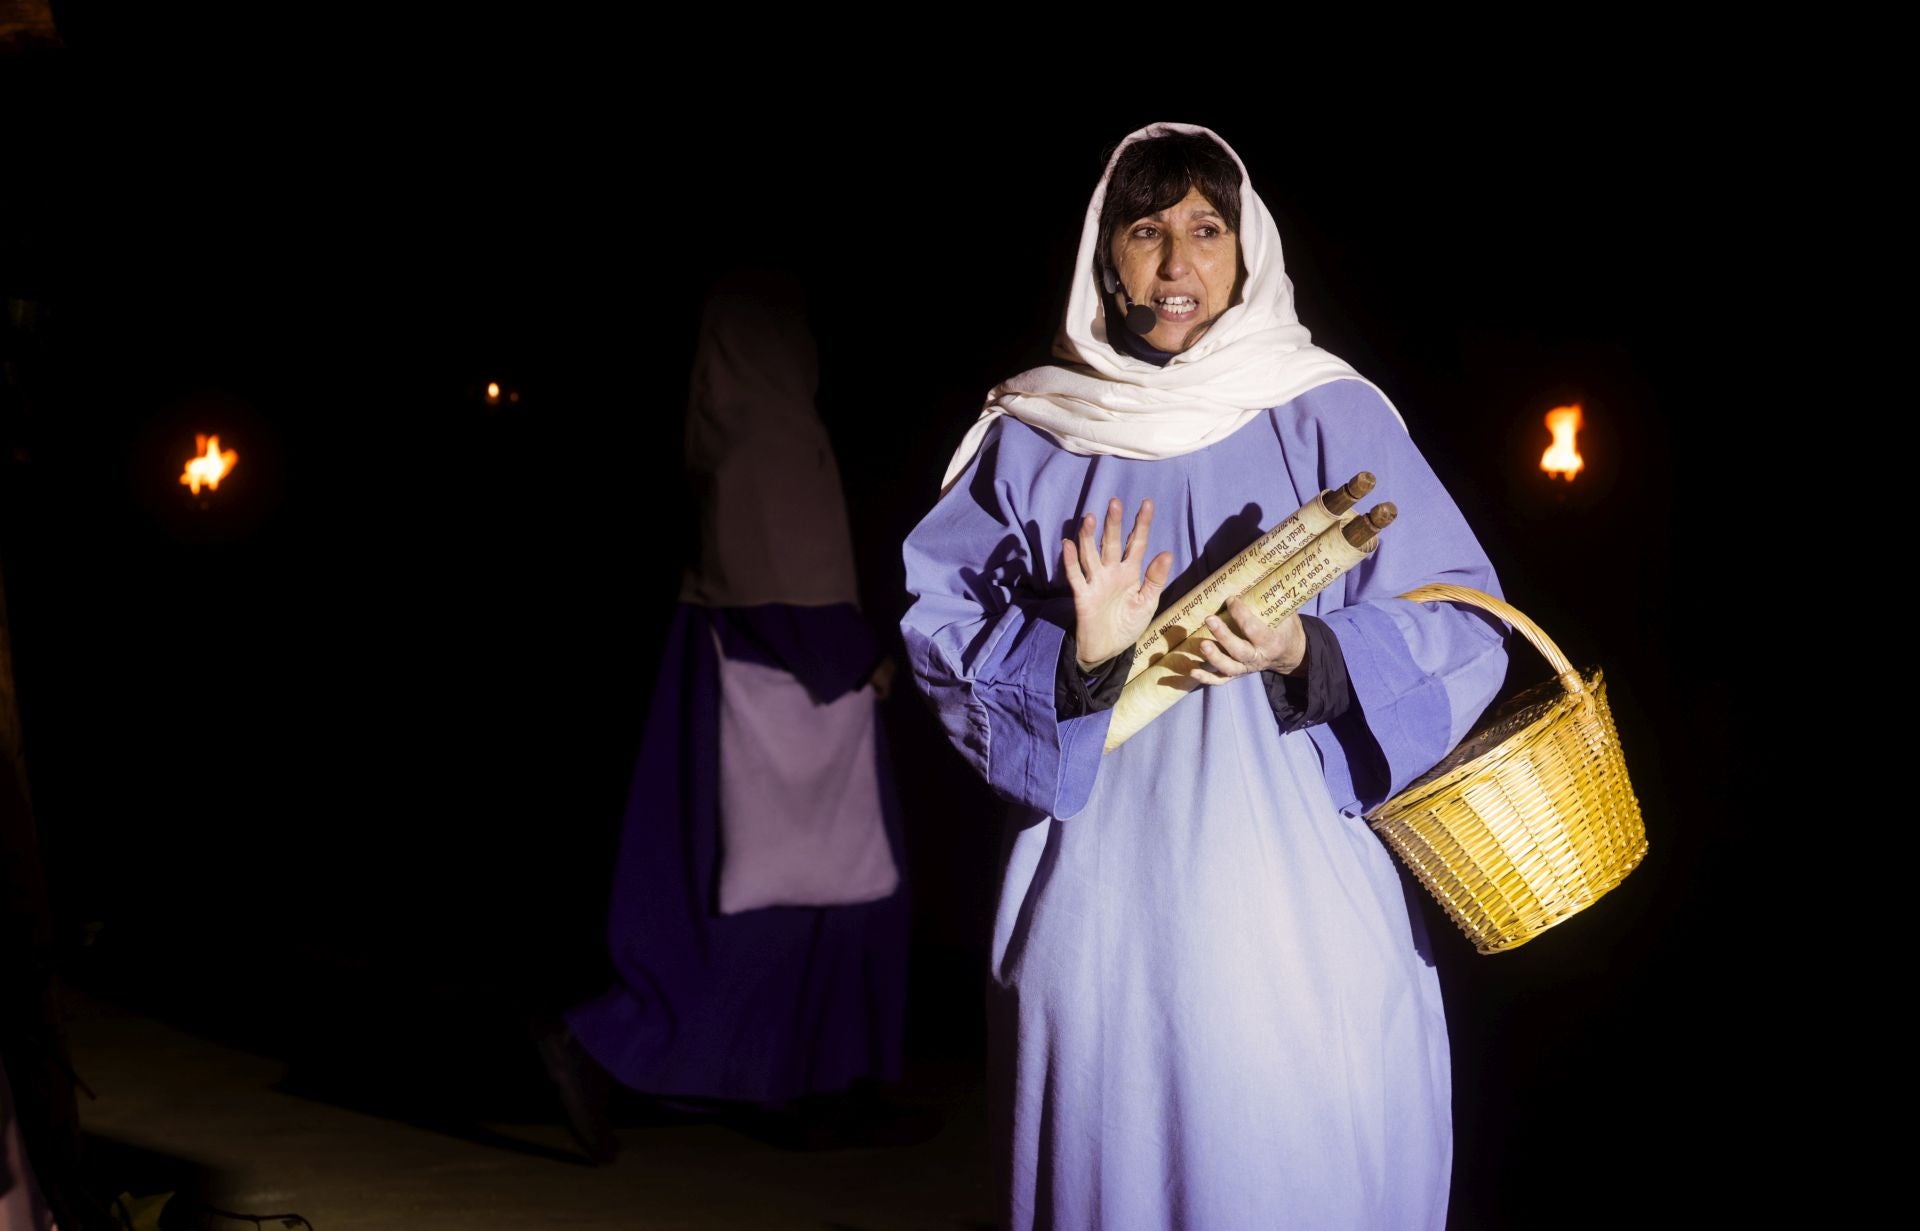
x,y
355,731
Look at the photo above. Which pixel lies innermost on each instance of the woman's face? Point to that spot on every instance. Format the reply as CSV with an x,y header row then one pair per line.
x,y
1184,264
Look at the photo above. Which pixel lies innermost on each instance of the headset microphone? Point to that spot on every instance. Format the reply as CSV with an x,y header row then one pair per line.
x,y
1140,318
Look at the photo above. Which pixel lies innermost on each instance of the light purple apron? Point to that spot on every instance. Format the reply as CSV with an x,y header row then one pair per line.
x,y
800,820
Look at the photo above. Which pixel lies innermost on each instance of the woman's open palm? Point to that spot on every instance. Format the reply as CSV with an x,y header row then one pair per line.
x,y
1112,602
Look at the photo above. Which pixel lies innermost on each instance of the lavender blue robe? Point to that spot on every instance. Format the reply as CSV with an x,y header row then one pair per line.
x,y
766,1005
1220,1014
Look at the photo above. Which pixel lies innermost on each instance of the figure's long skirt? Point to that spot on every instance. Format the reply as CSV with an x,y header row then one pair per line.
x,y
766,1005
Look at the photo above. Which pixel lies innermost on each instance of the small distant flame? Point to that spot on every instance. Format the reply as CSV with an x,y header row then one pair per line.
x,y
493,393
1562,456
211,466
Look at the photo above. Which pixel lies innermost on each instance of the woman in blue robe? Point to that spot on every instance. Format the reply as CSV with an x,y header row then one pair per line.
x,y
758,926
1214,1006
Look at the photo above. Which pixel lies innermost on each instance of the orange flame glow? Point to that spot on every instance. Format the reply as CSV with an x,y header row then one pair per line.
x,y
493,393
211,466
1563,456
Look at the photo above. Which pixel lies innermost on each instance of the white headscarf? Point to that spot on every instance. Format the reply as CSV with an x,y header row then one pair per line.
x,y
1256,355
773,520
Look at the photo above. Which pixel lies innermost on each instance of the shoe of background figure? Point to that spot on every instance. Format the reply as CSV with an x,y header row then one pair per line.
x,y
585,1089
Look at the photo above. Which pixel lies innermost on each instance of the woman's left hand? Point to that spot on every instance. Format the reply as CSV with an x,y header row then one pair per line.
x,y
1244,644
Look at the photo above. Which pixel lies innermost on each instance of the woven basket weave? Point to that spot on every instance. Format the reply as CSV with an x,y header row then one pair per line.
x,y
1531,819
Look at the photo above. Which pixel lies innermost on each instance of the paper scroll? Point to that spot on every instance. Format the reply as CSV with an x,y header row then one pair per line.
x,y
1330,508
1282,591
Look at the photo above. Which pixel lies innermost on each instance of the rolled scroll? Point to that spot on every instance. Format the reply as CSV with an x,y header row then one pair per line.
x,y
1330,508
1284,590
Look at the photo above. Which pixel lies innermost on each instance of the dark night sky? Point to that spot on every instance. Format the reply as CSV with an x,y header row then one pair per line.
x,y
380,698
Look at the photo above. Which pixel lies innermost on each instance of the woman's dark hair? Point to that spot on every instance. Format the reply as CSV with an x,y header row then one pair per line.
x,y
1157,172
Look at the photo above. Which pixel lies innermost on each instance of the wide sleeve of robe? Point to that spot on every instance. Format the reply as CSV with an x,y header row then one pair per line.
x,y
983,640
1420,673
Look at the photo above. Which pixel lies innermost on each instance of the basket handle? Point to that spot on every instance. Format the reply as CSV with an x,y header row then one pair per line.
x,y
1441,591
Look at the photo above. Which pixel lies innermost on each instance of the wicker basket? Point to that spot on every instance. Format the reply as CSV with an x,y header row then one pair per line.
x,y
1531,819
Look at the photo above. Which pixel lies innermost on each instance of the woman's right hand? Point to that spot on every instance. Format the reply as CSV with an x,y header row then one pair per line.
x,y
1112,603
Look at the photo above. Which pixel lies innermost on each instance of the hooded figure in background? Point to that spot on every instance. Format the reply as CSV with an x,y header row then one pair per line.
x,y
759,925
1212,1004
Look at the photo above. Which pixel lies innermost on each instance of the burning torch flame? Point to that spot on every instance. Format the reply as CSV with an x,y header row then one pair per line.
x,y
211,466
493,393
1562,457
